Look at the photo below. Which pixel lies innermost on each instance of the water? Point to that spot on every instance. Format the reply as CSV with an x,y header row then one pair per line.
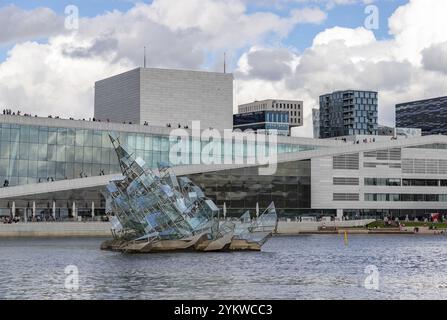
x,y
304,267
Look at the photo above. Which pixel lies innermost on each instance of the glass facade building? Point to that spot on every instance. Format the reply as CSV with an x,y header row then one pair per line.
x,y
241,189
429,115
38,153
40,150
350,112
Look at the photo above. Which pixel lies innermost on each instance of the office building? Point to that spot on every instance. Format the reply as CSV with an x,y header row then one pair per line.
x,y
263,122
429,115
350,112
293,107
160,97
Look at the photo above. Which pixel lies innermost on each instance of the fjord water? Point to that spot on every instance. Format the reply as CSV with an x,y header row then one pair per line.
x,y
303,267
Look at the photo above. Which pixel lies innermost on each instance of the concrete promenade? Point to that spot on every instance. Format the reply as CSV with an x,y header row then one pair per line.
x,y
56,229
102,229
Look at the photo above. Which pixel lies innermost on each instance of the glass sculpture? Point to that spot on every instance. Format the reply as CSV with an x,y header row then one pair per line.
x,y
154,210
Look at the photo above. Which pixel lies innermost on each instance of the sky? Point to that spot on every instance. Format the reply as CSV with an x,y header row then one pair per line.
x,y
52,52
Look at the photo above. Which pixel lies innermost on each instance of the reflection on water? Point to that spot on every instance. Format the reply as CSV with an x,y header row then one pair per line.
x,y
305,267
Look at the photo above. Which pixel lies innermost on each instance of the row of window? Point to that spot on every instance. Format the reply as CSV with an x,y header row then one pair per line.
x,y
391,182
382,182
346,161
345,197
383,164
286,106
386,154
395,197
259,107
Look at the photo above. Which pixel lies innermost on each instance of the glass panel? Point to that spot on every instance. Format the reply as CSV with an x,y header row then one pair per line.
x,y
4,167
61,136
6,133
71,137
97,139
34,134
51,169
79,137
88,154
33,151
105,155
52,152
88,136
24,134
23,168
140,142
42,170
60,170
5,150
70,154
43,135
96,155
61,153
24,151
69,171
148,143
52,136
32,169
79,154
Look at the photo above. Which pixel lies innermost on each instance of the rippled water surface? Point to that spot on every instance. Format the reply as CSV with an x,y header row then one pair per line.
x,y
304,267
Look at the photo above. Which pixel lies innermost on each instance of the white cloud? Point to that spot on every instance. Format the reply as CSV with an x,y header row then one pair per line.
x,y
18,24
350,37
434,58
38,79
410,66
416,26
58,76
309,15
266,64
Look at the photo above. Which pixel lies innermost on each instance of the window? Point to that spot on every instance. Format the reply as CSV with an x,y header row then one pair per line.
x,y
346,181
345,197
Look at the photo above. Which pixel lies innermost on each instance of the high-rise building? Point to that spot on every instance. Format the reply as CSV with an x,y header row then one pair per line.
x,y
349,112
429,115
293,107
162,96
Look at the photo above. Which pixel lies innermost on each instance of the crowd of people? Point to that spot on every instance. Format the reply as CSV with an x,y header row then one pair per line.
x,y
19,113
45,218
9,220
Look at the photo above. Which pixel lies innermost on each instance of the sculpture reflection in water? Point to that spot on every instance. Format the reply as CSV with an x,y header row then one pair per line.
x,y
154,212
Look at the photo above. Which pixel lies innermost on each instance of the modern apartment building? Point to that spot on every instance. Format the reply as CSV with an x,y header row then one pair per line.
x,y
349,112
429,115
